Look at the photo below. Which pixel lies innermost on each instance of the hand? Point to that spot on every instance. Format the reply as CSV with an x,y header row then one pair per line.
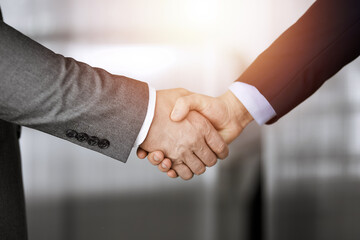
x,y
156,158
226,113
191,144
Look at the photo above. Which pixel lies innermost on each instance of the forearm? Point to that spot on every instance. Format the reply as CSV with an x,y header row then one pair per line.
x,y
51,93
317,46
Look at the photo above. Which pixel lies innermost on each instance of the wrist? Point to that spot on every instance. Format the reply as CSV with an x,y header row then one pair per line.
x,y
239,114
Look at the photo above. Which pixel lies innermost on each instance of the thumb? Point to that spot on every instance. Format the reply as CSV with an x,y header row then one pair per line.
x,y
185,104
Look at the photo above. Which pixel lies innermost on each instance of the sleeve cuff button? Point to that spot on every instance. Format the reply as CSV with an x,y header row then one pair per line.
x,y
93,141
82,137
104,143
71,133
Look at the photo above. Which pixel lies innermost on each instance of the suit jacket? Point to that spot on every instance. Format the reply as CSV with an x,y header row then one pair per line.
x,y
318,45
12,201
63,97
68,99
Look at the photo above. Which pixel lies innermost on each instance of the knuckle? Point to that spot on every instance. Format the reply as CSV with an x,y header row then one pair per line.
x,y
187,176
210,129
202,170
220,148
181,100
226,152
182,90
176,162
212,161
199,169
194,142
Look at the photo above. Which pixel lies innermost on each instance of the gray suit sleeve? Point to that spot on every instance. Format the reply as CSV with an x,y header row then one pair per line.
x,y
68,99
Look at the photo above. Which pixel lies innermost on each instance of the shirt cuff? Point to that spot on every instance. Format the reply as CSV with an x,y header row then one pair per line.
x,y
256,104
148,119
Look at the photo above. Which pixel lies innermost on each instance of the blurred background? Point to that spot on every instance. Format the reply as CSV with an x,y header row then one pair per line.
x,y
296,179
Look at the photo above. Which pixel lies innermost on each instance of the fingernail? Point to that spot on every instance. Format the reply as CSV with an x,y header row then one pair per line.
x,y
156,158
163,165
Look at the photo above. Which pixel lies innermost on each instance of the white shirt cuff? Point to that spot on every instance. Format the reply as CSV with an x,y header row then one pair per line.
x,y
256,104
148,119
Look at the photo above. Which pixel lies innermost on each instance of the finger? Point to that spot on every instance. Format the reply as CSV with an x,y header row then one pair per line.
x,y
171,173
156,157
141,153
165,165
195,164
206,155
183,171
216,143
187,103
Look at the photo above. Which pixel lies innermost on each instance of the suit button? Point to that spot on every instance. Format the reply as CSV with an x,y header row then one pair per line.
x,y
81,137
71,133
104,143
93,141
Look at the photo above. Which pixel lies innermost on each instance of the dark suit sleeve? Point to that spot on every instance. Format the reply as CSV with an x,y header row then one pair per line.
x,y
318,45
68,99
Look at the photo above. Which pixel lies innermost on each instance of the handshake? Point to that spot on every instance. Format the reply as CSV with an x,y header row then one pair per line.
x,y
189,132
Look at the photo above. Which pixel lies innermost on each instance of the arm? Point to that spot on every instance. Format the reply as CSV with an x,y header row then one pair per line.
x,y
317,46
93,108
54,94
